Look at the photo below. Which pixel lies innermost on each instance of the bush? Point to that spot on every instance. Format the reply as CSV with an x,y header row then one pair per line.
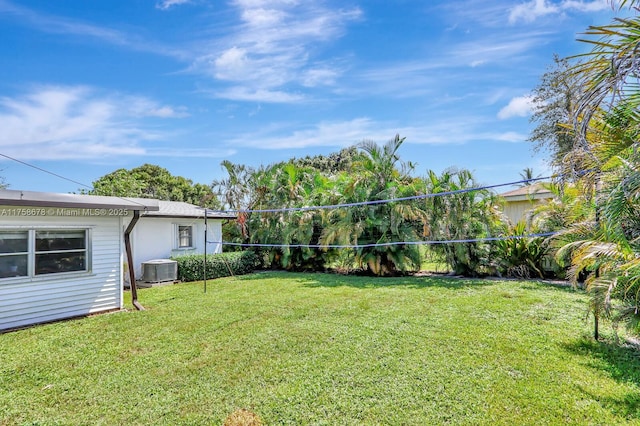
x,y
190,267
521,257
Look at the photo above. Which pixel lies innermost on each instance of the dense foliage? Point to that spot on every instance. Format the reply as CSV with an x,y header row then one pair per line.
x,y
554,101
385,234
463,215
521,256
191,267
151,181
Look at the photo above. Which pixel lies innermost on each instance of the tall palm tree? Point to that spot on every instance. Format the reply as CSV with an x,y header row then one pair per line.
x,y
527,176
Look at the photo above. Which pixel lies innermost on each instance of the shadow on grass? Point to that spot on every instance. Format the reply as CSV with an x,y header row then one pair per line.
x,y
320,279
621,363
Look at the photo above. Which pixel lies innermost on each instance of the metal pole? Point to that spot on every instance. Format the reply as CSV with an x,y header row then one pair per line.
x,y
205,250
596,309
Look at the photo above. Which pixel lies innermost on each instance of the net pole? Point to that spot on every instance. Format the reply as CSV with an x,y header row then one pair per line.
x,y
205,249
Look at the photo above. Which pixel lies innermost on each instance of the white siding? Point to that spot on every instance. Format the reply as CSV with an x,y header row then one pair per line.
x,y
31,300
519,210
156,238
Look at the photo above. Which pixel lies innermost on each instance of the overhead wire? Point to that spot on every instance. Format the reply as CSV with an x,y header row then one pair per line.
x,y
390,200
334,206
384,201
387,244
24,163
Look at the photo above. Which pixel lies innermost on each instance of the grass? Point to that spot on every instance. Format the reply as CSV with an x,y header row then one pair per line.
x,y
325,349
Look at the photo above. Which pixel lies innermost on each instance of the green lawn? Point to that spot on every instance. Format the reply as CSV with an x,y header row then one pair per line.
x,y
325,349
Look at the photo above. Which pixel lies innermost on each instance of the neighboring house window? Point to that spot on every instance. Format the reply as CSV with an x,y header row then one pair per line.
x,y
185,236
39,252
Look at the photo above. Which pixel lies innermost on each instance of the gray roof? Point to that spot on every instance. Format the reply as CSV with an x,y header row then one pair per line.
x,y
51,199
535,191
186,210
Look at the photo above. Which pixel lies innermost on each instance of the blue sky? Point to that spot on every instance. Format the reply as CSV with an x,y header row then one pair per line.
x,y
87,87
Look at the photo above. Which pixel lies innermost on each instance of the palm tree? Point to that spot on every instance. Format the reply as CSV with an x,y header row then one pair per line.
x,y
607,123
527,176
379,229
466,214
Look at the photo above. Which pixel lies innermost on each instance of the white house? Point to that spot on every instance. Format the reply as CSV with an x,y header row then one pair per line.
x,y
62,255
175,229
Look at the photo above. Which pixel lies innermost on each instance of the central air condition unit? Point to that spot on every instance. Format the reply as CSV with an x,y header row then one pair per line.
x,y
159,270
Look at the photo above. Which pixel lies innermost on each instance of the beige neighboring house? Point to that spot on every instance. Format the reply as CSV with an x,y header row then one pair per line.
x,y
519,202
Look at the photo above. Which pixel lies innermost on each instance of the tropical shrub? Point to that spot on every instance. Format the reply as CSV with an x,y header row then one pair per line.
x,y
466,215
379,229
519,256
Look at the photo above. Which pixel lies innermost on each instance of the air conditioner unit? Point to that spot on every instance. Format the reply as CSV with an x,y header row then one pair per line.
x,y
159,270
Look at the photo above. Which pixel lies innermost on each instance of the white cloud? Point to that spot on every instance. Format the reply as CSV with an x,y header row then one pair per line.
x,y
239,93
166,4
534,9
586,6
264,18
168,112
271,50
319,77
520,106
190,153
457,130
531,10
144,107
231,63
61,122
510,137
338,133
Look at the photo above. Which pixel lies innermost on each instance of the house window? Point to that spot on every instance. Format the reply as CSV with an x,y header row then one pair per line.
x,y
14,253
185,236
39,252
60,251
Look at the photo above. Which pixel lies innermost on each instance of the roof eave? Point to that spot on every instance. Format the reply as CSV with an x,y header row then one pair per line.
x,y
80,201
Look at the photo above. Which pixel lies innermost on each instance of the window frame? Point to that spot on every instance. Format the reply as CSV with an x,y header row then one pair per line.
x,y
33,252
178,239
72,251
13,268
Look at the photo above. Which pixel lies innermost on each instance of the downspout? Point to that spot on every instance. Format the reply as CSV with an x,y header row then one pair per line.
x,y
132,273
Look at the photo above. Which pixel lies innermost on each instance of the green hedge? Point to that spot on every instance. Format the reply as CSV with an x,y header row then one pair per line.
x,y
191,268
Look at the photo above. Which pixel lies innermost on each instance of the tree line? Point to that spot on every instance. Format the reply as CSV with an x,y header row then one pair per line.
x,y
309,240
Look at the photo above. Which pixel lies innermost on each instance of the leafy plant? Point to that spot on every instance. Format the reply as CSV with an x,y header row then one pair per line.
x,y
520,257
462,214
191,267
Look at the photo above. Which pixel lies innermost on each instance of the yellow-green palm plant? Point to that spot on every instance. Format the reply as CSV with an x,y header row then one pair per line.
x,y
462,213
571,204
605,251
609,270
379,228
